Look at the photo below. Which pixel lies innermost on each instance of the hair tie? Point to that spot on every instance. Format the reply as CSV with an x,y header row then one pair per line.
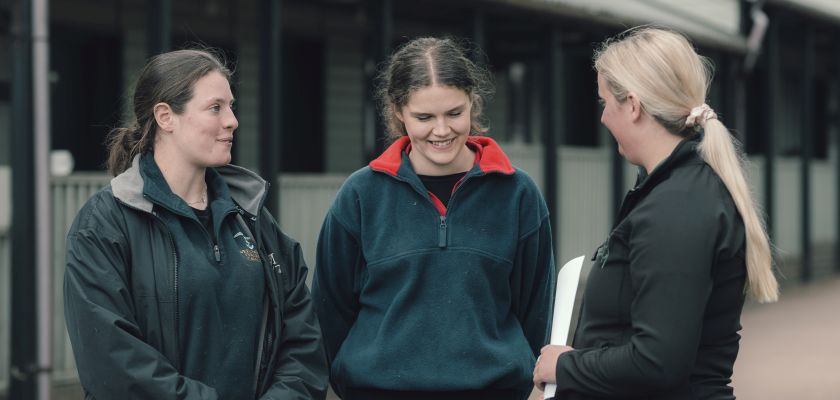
x,y
699,115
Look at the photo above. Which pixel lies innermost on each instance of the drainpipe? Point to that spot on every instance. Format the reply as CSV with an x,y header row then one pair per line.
x,y
43,254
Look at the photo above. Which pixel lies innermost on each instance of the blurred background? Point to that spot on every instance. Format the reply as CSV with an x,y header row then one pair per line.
x,y
303,76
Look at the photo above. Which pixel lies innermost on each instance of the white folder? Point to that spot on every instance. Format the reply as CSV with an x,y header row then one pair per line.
x,y
564,303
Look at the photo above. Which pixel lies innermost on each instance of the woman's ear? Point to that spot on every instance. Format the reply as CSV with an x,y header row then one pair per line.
x,y
635,106
164,117
398,114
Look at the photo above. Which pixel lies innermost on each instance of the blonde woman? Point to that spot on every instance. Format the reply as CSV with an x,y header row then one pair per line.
x,y
661,310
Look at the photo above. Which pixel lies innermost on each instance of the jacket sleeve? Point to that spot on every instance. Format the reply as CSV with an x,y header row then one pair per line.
x,y
301,369
335,286
112,358
533,285
671,253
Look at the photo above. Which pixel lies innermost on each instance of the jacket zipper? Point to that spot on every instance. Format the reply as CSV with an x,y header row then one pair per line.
x,y
266,301
217,252
442,237
442,232
175,311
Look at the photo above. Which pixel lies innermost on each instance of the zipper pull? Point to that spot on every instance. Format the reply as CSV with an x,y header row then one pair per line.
x,y
442,232
217,253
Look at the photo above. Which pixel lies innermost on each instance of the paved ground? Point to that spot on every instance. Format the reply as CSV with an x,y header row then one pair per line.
x,y
791,349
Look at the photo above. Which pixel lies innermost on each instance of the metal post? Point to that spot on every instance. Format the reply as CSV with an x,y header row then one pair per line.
x,y
41,122
553,130
836,120
271,130
618,189
479,37
772,105
159,25
23,326
805,155
377,46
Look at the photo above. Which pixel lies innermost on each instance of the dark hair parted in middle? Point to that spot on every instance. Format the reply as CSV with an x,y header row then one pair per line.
x,y
425,62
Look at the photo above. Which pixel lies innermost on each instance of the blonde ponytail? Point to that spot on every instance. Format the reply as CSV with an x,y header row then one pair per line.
x,y
672,80
719,151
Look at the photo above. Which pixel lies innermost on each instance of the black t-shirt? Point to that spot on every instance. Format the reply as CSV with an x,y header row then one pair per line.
x,y
441,186
205,216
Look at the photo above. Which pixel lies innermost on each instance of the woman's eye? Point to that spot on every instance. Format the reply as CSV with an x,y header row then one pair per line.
x,y
215,108
455,114
423,118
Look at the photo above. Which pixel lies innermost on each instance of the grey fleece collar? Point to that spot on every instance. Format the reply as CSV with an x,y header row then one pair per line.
x,y
247,188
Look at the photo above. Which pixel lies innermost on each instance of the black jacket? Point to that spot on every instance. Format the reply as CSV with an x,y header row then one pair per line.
x,y
662,304
121,299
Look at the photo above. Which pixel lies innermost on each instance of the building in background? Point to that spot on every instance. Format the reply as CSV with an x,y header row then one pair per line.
x,y
303,78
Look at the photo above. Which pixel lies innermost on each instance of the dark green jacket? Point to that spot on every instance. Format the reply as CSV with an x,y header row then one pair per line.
x,y
415,296
661,310
121,299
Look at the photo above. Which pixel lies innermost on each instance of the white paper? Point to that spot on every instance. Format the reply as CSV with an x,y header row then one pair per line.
x,y
564,304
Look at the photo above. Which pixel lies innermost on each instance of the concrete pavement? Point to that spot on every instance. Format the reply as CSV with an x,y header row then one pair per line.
x,y
791,349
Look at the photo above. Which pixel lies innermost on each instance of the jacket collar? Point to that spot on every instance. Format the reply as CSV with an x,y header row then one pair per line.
x,y
246,188
489,156
685,151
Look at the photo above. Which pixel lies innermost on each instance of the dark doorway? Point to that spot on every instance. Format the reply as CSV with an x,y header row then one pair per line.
x,y
86,92
303,104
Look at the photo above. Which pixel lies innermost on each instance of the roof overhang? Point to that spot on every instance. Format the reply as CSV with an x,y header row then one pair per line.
x,y
708,23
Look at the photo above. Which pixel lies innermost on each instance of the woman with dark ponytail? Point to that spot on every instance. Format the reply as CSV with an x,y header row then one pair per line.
x,y
179,283
662,306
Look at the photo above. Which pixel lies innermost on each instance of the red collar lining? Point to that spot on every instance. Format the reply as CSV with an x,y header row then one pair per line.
x,y
489,156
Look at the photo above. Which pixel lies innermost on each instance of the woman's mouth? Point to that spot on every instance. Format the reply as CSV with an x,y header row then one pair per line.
x,y
441,143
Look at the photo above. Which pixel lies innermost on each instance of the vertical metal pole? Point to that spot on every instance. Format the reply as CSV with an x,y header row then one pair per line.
x,y
807,272
837,163
618,189
479,36
23,347
377,47
773,108
43,254
553,113
271,107
159,25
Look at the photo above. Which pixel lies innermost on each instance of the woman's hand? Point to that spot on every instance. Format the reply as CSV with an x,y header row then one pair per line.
x,y
545,369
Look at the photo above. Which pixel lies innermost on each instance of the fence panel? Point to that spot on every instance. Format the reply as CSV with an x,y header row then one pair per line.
x,y
69,194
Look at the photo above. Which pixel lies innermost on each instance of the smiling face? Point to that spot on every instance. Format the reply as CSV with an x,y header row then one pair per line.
x,y
202,135
437,121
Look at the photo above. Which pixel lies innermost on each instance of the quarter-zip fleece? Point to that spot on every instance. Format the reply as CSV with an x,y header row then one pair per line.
x,y
123,290
415,296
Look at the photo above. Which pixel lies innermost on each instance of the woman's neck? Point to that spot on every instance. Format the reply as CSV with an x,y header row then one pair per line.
x,y
661,144
185,180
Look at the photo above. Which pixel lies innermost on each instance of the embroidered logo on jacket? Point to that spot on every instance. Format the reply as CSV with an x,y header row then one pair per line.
x,y
248,249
